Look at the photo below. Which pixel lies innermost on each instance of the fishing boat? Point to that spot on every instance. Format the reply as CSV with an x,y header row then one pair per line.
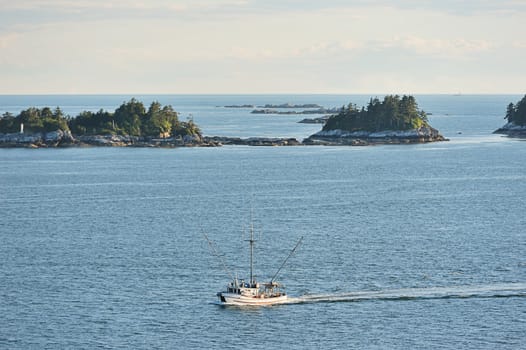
x,y
241,292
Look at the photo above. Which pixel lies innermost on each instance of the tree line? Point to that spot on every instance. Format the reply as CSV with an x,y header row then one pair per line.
x,y
516,114
393,113
130,118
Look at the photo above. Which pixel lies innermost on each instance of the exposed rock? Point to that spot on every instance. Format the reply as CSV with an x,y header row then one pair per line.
x,y
320,120
320,110
252,141
57,138
362,138
240,106
289,105
512,129
60,138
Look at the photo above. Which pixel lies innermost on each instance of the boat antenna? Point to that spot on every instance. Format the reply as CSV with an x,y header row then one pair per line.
x,y
284,262
219,256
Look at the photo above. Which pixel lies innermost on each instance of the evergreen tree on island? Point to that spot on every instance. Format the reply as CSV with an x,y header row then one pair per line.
x,y
133,119
393,113
516,114
130,124
34,120
130,118
516,117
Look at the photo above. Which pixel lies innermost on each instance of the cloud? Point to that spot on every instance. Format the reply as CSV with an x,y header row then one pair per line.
x,y
228,45
62,7
465,7
519,44
7,39
446,48
33,13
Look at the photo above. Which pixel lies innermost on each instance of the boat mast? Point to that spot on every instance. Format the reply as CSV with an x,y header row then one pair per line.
x,y
251,240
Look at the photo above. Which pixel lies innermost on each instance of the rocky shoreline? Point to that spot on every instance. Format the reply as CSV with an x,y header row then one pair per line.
x,y
513,130
320,120
59,138
365,138
251,141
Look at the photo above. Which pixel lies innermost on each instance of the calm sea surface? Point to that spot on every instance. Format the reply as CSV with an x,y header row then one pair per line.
x,y
405,247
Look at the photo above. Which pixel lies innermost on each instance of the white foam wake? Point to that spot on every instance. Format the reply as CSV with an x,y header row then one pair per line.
x,y
477,291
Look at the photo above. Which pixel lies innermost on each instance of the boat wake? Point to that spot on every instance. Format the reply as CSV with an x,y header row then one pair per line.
x,y
455,292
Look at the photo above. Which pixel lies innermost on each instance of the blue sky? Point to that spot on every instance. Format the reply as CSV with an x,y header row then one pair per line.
x,y
243,46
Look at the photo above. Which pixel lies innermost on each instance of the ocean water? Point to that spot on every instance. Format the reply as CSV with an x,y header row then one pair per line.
x,y
412,246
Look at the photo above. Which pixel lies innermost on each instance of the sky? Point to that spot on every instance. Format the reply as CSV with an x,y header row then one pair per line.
x,y
262,46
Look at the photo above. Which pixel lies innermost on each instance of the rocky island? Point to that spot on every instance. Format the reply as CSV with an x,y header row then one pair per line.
x,y
240,106
130,125
290,105
395,120
321,110
516,117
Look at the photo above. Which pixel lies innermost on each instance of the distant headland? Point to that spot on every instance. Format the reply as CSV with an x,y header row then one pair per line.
x,y
287,108
320,110
283,105
516,117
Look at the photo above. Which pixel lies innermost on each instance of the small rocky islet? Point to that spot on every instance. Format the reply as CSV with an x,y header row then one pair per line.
x,y
516,120
394,120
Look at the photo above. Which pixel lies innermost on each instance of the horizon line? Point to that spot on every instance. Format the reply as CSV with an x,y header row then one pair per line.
x,y
262,93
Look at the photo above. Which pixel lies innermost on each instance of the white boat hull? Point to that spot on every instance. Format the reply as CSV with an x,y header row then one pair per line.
x,y
236,299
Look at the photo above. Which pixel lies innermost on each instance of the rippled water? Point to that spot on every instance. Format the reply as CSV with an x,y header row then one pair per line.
x,y
418,246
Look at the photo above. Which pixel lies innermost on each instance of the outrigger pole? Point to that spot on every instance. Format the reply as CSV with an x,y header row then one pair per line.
x,y
216,253
284,262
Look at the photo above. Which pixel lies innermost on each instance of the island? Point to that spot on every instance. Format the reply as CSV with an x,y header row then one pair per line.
x,y
130,125
240,106
395,120
516,117
274,106
321,110
290,105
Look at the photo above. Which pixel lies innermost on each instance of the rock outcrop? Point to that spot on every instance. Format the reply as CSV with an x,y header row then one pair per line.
x,y
251,141
60,138
57,138
363,138
512,129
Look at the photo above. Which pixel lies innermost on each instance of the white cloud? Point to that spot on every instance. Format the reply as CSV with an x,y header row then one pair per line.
x,y
519,44
253,46
447,48
7,39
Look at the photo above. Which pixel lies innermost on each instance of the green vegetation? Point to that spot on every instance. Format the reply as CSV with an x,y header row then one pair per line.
x,y
34,120
393,113
516,114
131,118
